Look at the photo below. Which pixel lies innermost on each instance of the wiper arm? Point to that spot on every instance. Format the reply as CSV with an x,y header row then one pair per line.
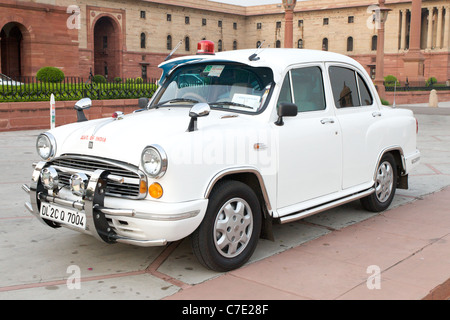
x,y
229,103
173,100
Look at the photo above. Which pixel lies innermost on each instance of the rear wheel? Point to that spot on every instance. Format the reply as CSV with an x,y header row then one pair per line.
x,y
229,233
385,185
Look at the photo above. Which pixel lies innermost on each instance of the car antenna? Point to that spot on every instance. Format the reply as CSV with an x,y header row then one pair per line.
x,y
254,57
173,51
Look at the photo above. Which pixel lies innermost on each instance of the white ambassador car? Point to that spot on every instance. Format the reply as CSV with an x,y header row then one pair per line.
x,y
229,144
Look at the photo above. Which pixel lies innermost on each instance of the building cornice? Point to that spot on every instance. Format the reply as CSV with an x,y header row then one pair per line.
x,y
14,4
203,5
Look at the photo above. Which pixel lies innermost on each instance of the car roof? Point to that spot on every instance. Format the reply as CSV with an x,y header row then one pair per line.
x,y
277,59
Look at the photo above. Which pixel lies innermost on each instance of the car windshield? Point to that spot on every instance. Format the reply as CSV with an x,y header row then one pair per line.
x,y
231,86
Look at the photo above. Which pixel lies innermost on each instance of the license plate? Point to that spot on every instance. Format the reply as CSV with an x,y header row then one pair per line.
x,y
63,215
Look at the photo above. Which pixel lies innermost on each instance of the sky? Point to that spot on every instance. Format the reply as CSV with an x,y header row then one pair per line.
x,y
246,3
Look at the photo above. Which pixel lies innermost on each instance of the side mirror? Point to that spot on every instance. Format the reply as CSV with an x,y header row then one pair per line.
x,y
80,106
286,110
198,110
143,102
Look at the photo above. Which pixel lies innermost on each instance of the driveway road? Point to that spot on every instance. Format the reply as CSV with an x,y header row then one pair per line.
x,y
41,263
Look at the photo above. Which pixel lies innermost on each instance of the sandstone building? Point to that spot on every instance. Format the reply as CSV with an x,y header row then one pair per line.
x,y
129,38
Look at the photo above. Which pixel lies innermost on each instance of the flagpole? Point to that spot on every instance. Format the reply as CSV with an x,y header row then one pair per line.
x,y
52,111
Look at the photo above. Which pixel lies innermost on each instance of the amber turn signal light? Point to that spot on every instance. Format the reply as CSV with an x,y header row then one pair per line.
x,y
155,190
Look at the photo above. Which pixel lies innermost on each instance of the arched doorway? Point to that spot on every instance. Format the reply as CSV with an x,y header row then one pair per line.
x,y
12,50
106,48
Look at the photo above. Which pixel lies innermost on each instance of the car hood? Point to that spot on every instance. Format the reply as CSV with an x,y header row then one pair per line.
x,y
125,139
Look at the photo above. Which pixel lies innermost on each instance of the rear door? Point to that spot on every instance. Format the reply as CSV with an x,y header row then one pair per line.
x,y
358,114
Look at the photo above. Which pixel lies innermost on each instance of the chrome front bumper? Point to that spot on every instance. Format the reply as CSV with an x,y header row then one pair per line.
x,y
96,212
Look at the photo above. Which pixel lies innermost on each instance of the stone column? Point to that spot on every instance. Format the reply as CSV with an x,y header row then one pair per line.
x,y
413,60
416,24
447,27
403,31
439,28
289,6
430,29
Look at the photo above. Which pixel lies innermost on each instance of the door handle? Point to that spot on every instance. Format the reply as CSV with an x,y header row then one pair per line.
x,y
326,120
376,114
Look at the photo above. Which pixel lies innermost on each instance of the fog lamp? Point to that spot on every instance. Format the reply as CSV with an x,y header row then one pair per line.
x,y
49,178
78,184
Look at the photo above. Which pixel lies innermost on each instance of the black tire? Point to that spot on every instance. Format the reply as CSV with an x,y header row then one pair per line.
x,y
230,230
385,185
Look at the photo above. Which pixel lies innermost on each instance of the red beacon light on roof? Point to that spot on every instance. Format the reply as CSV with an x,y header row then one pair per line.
x,y
205,47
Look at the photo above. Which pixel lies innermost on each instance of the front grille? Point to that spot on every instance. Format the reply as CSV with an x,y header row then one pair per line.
x,y
92,164
129,188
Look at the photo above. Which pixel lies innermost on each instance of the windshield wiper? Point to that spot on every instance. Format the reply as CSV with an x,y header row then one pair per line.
x,y
229,103
173,100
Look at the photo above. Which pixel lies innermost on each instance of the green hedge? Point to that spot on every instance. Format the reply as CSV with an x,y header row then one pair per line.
x,y
50,74
98,78
431,81
390,80
63,91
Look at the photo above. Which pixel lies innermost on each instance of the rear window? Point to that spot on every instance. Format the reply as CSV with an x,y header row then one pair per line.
x,y
349,88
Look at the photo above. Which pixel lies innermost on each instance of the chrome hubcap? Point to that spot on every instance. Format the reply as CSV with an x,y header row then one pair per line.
x,y
385,181
233,227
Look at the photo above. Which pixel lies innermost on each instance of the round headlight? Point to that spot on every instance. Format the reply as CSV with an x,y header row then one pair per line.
x,y
49,178
46,146
154,161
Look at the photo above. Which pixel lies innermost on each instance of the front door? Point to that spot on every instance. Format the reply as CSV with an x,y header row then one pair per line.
x,y
310,159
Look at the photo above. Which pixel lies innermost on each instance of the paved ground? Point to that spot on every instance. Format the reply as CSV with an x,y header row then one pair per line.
x,y
333,255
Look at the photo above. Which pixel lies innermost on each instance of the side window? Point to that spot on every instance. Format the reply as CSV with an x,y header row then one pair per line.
x,y
364,92
285,93
343,84
308,89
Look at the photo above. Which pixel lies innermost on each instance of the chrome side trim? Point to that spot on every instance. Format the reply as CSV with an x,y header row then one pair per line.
x,y
392,148
326,206
117,212
167,217
141,243
251,170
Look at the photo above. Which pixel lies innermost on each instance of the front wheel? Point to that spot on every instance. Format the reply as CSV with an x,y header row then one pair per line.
x,y
385,185
229,233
